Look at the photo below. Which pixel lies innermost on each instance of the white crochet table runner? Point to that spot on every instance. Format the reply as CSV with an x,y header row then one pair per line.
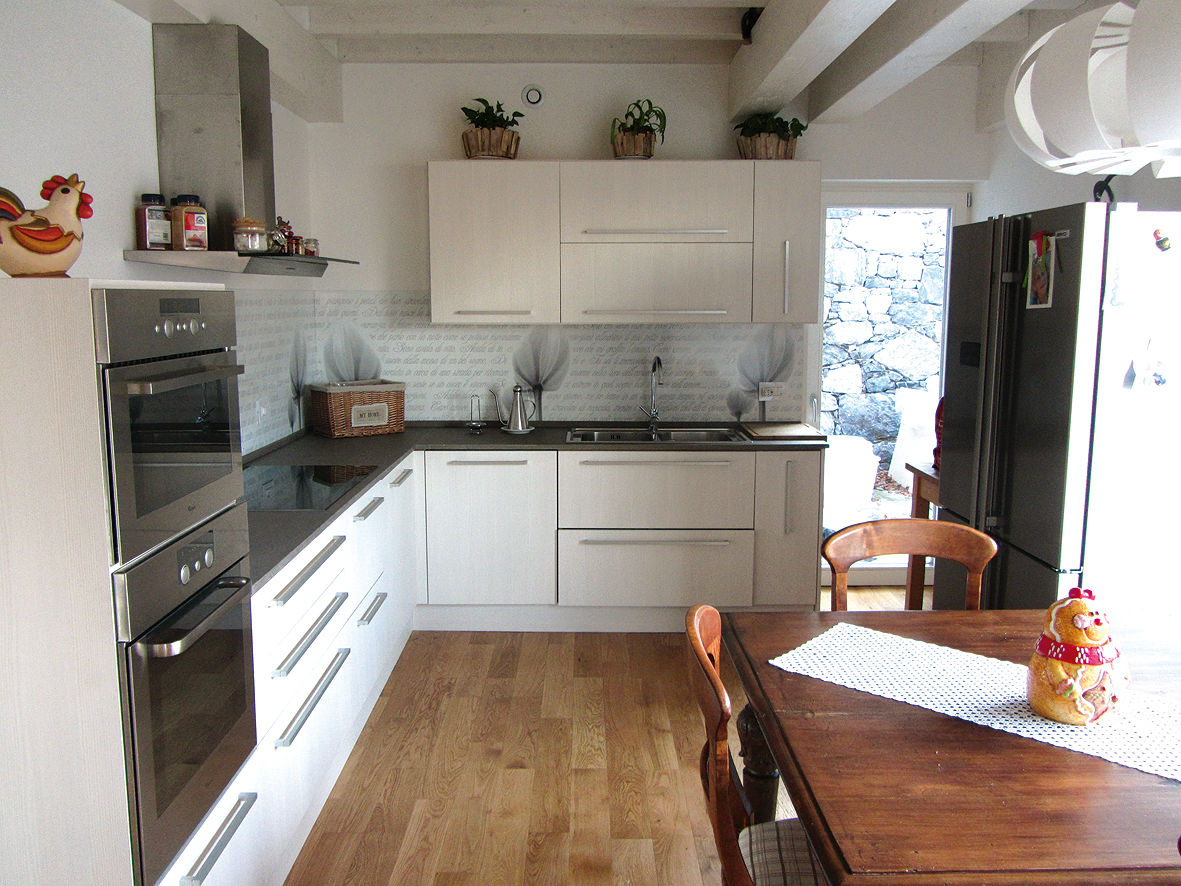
x,y
1141,732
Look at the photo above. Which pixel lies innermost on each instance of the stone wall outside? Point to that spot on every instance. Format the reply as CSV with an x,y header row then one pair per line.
x,y
883,326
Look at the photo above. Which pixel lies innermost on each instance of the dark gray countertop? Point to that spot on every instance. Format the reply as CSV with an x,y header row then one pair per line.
x,y
277,536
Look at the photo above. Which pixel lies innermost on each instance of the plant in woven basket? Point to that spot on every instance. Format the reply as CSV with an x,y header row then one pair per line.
x,y
491,134
635,134
767,136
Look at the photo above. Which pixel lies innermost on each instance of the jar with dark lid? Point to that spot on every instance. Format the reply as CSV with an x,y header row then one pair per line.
x,y
152,227
190,223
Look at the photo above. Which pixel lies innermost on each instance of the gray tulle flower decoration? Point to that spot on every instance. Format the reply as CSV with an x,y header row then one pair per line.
x,y
299,365
738,402
348,355
768,356
542,360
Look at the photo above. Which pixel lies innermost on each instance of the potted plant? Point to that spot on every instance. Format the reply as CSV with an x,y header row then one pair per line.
x,y
491,134
766,136
635,135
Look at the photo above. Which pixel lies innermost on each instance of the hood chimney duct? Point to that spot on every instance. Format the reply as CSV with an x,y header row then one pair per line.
x,y
213,122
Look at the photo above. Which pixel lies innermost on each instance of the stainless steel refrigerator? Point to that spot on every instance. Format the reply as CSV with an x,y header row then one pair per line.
x,y
1061,410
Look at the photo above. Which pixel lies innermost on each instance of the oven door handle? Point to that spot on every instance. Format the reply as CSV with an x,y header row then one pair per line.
x,y
174,381
177,647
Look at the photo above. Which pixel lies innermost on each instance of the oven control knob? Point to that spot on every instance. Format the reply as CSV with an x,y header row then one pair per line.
x,y
198,566
186,574
208,558
194,327
169,328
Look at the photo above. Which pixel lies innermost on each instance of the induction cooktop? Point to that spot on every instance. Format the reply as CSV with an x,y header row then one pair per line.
x,y
299,487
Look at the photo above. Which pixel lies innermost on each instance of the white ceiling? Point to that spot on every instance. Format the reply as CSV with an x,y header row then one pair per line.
x,y
824,60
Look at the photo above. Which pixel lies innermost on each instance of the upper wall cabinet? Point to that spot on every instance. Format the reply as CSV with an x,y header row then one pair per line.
x,y
788,246
494,242
682,241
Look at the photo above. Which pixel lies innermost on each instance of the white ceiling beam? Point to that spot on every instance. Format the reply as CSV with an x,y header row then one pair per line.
x,y
909,39
581,5
793,41
537,49
690,24
305,77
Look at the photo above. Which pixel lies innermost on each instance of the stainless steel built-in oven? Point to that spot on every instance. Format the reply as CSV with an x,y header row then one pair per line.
x,y
169,380
168,373
183,622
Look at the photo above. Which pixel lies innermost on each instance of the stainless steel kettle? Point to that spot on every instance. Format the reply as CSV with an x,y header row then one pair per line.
x,y
519,413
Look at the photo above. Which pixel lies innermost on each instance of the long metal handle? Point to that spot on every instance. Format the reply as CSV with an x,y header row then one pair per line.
x,y
673,311
598,231
365,514
176,647
655,461
305,642
174,381
786,273
371,612
207,859
401,478
492,313
787,498
693,542
305,710
460,461
293,586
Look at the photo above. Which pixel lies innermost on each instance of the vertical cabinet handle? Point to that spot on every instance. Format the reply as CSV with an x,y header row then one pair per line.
x,y
309,705
308,571
208,858
365,514
787,497
786,274
371,612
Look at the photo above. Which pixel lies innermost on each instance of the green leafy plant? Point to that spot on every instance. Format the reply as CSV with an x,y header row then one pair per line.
x,y
768,121
489,117
641,116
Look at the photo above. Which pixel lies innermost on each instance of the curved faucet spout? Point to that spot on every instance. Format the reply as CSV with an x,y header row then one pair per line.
x,y
657,379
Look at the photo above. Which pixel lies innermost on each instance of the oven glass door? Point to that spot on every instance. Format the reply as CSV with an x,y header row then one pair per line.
x,y
175,446
191,691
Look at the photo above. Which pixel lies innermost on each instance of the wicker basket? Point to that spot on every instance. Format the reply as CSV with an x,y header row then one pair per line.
x,y
358,408
634,145
480,143
766,146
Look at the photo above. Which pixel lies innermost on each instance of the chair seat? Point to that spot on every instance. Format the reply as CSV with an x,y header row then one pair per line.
x,y
777,852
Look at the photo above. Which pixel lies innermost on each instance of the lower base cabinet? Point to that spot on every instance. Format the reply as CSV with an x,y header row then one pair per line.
x,y
660,567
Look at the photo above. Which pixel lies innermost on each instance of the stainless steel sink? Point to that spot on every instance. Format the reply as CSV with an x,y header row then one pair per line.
x,y
663,435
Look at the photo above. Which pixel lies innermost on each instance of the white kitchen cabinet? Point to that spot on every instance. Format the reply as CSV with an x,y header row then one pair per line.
x,y
788,242
666,567
656,282
491,527
657,202
656,490
787,527
494,242
406,490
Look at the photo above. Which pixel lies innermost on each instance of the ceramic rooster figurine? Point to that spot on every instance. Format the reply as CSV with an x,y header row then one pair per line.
x,y
47,241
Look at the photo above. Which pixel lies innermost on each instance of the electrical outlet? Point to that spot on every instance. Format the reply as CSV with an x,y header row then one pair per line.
x,y
769,390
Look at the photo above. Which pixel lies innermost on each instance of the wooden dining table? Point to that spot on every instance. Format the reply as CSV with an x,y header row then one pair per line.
x,y
892,794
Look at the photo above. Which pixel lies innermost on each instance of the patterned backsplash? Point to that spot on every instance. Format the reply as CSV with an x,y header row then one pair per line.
x,y
288,340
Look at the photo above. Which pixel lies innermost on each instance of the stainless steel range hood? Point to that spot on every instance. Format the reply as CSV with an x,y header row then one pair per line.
x,y
214,139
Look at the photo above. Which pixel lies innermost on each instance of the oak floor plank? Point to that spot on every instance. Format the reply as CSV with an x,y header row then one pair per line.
x,y
498,758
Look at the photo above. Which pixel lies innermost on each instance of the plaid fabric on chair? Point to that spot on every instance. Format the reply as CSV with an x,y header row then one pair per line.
x,y
777,854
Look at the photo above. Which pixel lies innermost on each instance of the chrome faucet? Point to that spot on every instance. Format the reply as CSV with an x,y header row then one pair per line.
x,y
657,379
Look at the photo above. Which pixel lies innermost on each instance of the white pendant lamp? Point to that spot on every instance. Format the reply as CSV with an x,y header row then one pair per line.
x,y
1092,95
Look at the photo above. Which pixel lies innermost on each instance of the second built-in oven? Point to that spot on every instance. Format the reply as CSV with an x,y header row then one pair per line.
x,y
170,384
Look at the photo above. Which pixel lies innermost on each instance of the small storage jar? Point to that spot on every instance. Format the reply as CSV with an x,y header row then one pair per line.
x,y
190,223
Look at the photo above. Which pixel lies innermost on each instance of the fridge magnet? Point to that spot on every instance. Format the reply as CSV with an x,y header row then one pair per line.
x,y
1039,278
43,242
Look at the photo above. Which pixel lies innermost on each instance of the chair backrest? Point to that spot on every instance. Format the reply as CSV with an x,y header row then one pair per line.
x,y
912,536
729,811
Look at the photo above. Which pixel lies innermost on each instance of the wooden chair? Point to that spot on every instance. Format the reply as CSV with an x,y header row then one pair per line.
x,y
911,536
774,852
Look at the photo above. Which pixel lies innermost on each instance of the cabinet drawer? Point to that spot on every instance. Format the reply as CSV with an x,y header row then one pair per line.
x,y
656,282
369,531
661,490
655,567
678,201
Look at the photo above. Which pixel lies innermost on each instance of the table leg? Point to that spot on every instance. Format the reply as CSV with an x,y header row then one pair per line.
x,y
760,774
916,567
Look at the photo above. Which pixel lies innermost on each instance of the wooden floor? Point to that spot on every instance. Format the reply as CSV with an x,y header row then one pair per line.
x,y
526,758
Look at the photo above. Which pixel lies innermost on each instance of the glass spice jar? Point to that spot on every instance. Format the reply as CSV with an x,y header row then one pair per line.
x,y
152,227
250,235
